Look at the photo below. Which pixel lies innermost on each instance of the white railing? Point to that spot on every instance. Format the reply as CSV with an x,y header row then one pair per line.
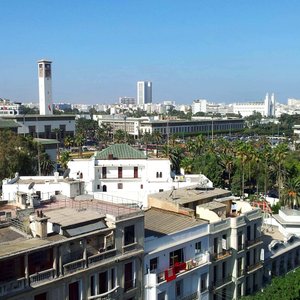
x,y
111,294
74,266
103,255
12,286
41,276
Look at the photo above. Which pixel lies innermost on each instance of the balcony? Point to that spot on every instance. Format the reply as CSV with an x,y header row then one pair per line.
x,y
129,285
193,296
241,247
74,266
254,267
41,277
112,294
181,267
253,242
130,247
94,259
220,283
12,286
221,255
241,273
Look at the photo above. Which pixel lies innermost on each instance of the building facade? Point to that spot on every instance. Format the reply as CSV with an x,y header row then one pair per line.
x,y
144,92
45,87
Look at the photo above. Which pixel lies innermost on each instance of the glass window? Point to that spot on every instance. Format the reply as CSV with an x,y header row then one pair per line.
x,y
120,172
153,263
198,248
176,257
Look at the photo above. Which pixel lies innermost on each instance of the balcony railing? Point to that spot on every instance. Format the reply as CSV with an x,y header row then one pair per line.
x,y
192,296
130,247
182,267
112,294
42,276
254,267
241,273
12,286
219,283
253,242
241,247
101,256
221,255
129,285
74,266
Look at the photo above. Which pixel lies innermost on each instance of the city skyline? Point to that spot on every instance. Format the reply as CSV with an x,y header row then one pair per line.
x,y
222,51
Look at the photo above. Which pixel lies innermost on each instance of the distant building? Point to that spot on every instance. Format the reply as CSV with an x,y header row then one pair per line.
x,y
9,108
127,100
45,87
266,107
144,92
199,105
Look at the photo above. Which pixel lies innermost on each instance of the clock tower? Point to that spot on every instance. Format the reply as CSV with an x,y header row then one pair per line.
x,y
45,87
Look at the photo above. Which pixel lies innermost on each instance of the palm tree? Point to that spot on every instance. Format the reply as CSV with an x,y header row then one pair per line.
x,y
79,141
65,157
187,164
291,193
279,154
119,136
146,139
47,165
157,137
175,154
68,141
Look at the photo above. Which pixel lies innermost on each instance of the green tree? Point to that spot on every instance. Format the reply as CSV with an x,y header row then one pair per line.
x,y
157,138
47,165
65,157
79,141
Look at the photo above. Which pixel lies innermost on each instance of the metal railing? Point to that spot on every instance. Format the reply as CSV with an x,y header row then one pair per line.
x,y
192,296
112,294
39,277
221,255
253,242
218,283
254,266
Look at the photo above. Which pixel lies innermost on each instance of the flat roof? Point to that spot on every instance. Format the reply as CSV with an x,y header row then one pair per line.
x,y
212,205
159,222
71,216
191,194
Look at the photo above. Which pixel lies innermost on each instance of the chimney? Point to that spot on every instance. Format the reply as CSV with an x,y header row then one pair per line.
x,y
41,222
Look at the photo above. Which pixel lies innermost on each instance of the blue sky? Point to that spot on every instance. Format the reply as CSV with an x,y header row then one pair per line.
x,y
223,51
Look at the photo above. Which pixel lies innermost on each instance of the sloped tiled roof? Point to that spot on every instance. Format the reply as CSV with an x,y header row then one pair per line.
x,y
8,124
159,222
120,151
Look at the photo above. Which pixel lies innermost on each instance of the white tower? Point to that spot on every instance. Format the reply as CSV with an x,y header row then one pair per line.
x,y
45,87
144,92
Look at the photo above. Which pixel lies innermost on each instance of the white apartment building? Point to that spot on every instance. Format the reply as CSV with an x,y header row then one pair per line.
x,y
234,237
144,92
199,105
177,258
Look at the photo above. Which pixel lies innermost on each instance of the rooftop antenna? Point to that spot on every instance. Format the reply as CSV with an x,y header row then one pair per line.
x,y
66,173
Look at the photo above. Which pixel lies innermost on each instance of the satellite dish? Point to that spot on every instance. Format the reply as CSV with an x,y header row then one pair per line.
x,y
66,173
31,185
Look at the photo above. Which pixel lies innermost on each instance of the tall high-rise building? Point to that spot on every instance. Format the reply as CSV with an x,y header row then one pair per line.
x,y
144,92
45,87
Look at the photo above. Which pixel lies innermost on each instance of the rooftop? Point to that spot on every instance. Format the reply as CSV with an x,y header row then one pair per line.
x,y
120,151
159,222
71,216
191,194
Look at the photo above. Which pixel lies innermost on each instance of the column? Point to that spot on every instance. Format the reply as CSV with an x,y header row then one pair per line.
x,y
55,249
26,269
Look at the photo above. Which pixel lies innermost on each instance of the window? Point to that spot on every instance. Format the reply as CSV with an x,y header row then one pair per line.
x,y
103,282
42,296
248,233
135,172
74,291
158,174
98,186
176,257
240,241
198,248
216,245
129,237
104,172
129,282
255,231
112,278
120,186
179,288
104,189
142,186
153,263
224,271
120,172
203,282
92,285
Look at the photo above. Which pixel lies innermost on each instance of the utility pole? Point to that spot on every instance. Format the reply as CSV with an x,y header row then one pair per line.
x,y
38,145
